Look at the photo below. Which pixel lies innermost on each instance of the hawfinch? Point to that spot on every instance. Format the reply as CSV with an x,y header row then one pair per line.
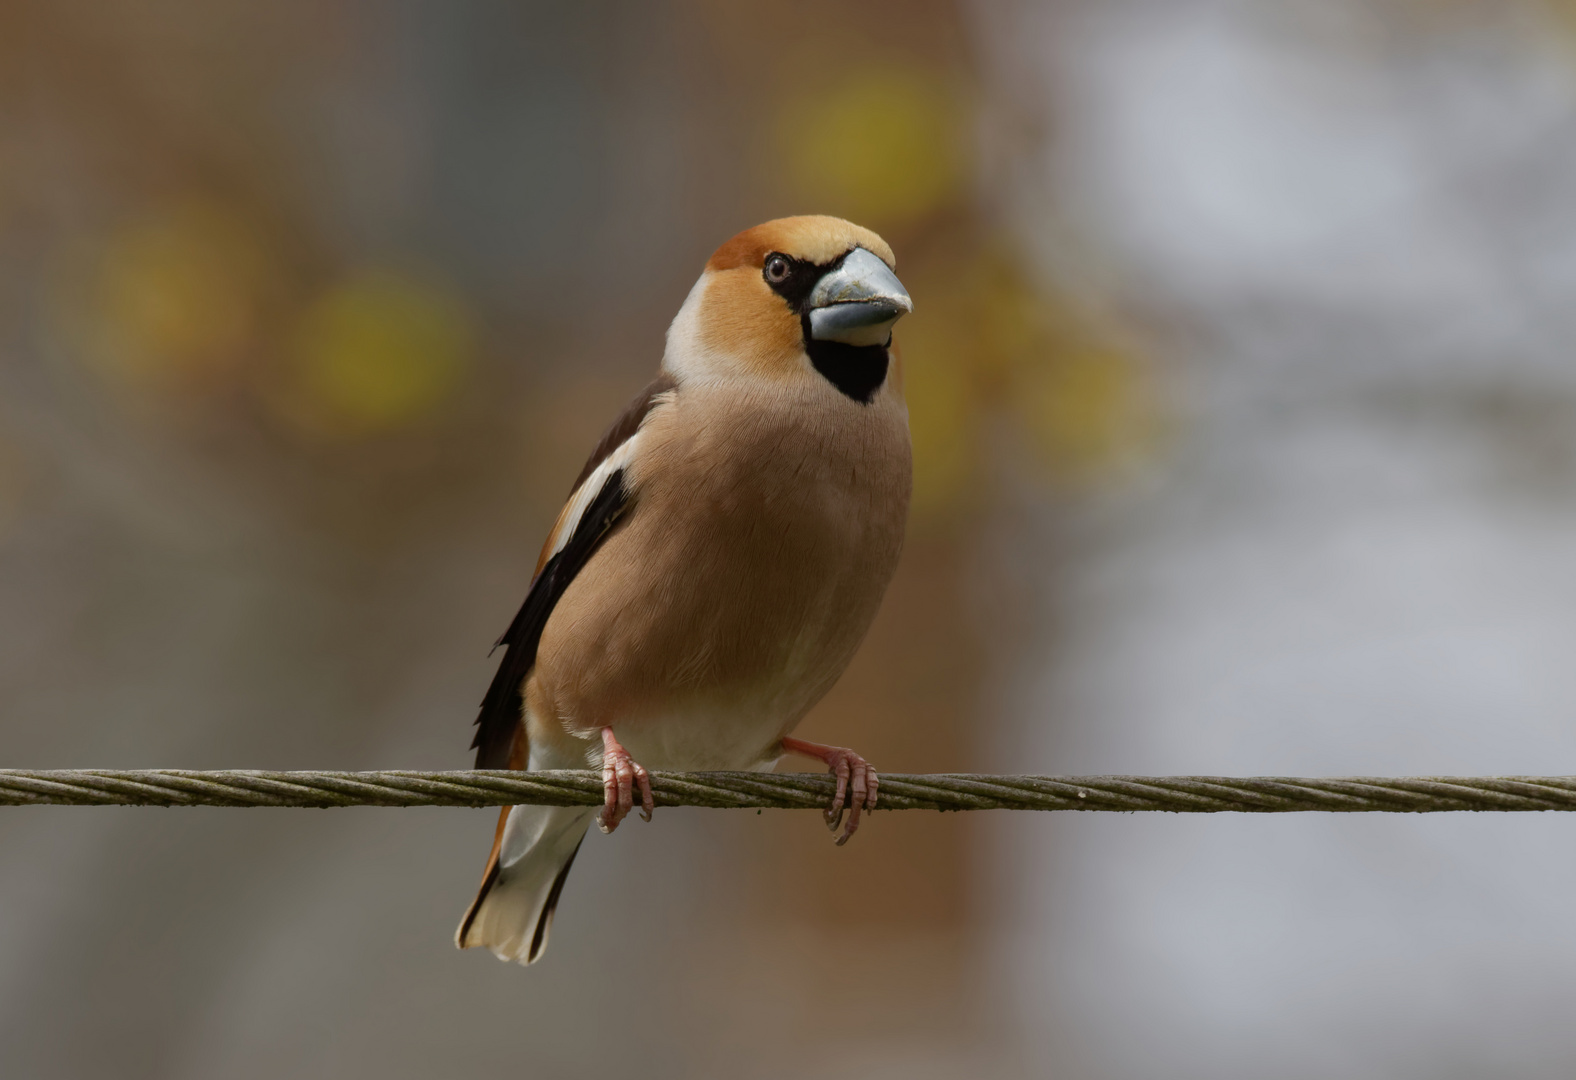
x,y
719,560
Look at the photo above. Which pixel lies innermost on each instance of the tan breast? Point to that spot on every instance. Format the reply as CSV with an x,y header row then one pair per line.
x,y
766,527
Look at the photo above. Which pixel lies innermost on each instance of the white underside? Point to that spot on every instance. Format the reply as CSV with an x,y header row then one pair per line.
x,y
537,842
703,739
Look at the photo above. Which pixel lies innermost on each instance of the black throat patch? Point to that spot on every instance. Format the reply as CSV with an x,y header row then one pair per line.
x,y
857,370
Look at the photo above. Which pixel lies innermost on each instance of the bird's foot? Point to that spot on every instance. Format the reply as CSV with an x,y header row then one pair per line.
x,y
857,783
621,775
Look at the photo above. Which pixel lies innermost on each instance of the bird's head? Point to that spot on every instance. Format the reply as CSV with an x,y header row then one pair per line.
x,y
799,297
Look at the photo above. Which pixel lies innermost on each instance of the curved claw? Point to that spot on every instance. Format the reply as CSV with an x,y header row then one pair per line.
x,y
834,819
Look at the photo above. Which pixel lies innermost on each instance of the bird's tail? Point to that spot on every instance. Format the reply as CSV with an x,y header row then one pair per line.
x,y
532,853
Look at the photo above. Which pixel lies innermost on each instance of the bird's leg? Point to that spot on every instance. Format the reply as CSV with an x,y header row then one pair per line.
x,y
855,779
621,774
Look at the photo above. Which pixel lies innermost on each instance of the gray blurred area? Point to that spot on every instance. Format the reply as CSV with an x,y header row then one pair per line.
x,y
1349,230
1245,435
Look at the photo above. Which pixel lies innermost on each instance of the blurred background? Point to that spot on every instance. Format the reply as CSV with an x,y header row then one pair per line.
x,y
1244,411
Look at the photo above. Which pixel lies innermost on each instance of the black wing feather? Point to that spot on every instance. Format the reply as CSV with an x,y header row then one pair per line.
x,y
504,703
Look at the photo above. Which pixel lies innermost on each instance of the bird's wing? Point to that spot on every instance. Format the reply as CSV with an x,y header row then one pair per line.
x,y
599,499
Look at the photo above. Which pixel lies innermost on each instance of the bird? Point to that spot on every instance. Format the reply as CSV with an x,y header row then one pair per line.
x,y
717,563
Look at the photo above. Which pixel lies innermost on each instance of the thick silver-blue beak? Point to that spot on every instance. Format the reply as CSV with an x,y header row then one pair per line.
x,y
858,302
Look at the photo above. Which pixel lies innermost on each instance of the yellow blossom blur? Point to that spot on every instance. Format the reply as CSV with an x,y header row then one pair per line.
x,y
882,147
178,294
988,346
1087,412
373,353
942,410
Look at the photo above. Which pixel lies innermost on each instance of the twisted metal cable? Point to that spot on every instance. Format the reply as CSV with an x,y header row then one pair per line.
x,y
936,791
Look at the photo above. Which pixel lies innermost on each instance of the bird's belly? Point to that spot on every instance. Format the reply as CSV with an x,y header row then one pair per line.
x,y
729,601
712,668
705,735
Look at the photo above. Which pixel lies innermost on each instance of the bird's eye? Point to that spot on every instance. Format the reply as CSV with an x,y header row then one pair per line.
x,y
778,268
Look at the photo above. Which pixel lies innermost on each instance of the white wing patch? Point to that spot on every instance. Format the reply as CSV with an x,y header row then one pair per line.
x,y
574,510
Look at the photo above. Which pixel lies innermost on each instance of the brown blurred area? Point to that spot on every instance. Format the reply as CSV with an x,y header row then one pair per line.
x,y
308,314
